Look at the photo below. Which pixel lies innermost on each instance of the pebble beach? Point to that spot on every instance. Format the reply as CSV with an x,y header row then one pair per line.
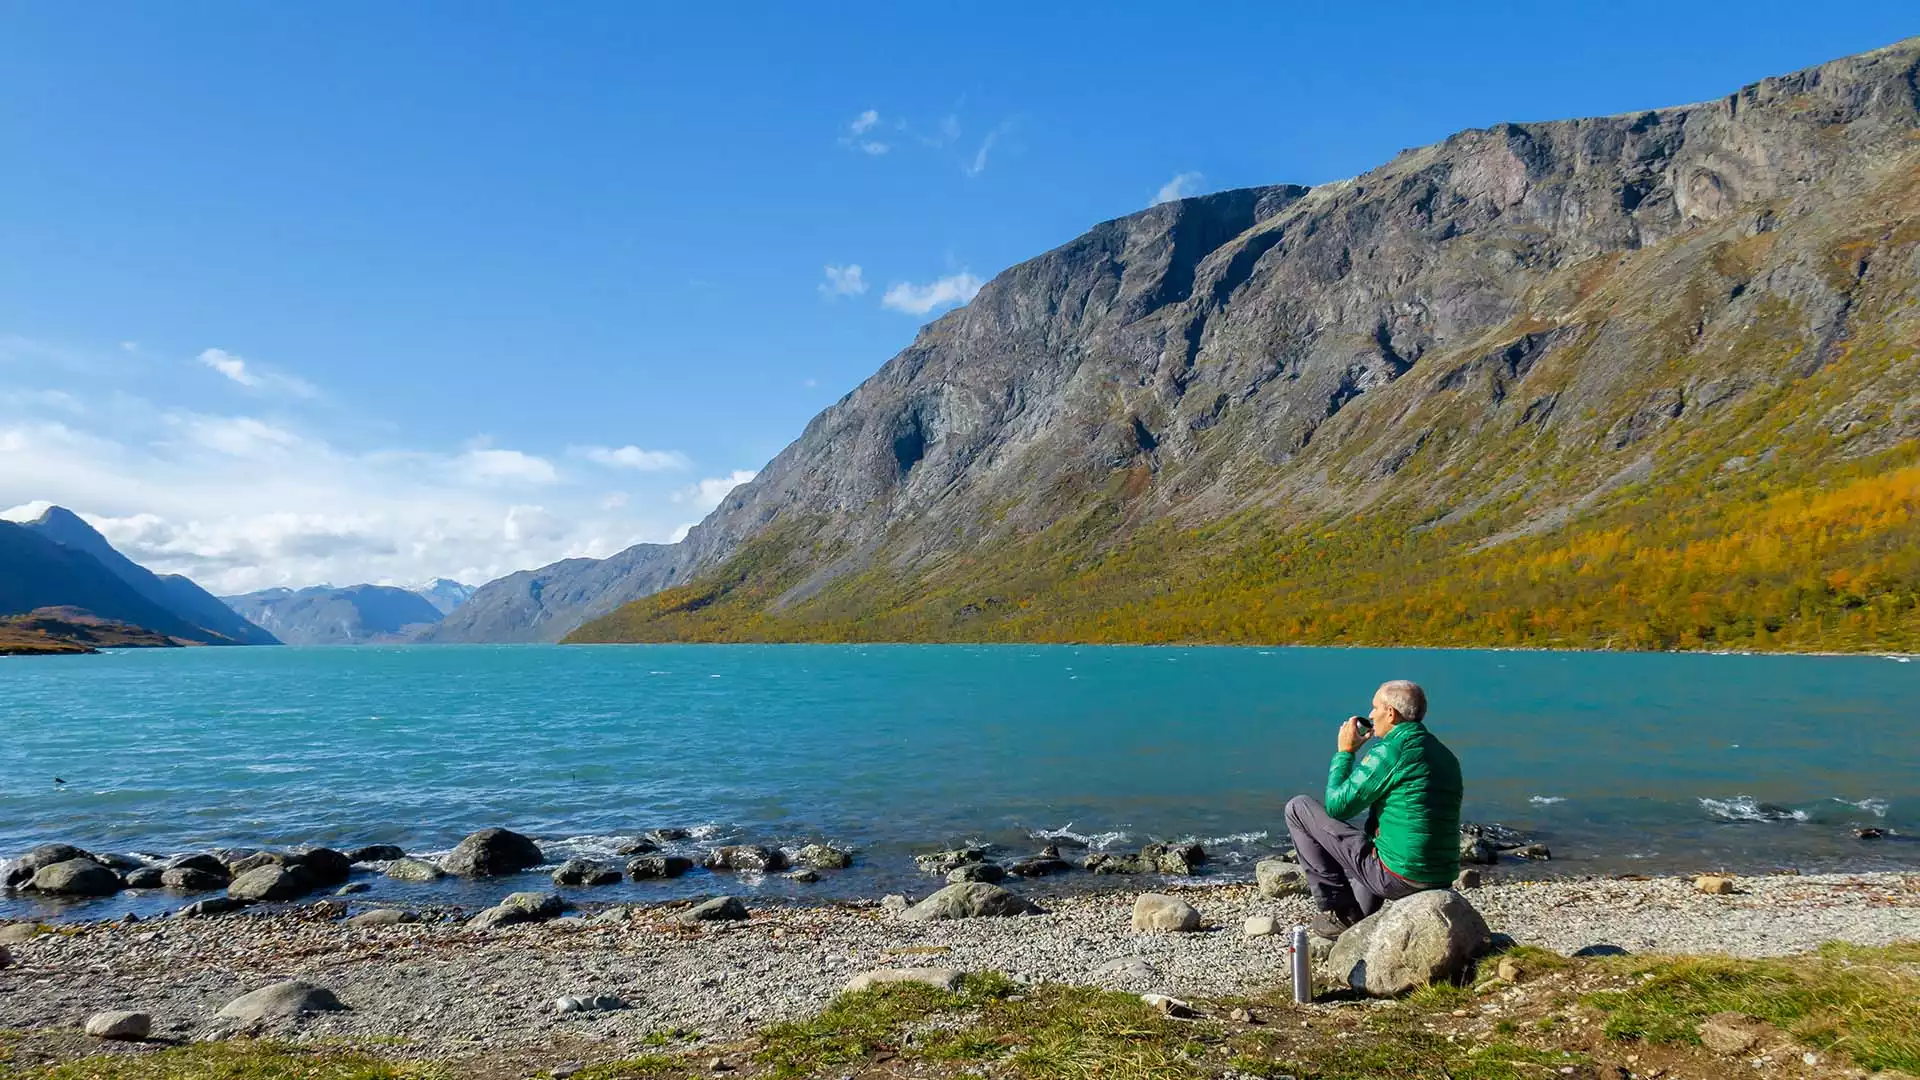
x,y
440,989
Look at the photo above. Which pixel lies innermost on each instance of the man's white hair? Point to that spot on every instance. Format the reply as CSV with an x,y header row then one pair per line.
x,y
1405,698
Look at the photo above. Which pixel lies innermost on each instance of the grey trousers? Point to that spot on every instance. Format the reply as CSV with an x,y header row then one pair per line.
x,y
1344,873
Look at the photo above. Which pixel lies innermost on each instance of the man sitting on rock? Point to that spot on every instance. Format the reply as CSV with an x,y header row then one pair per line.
x,y
1410,786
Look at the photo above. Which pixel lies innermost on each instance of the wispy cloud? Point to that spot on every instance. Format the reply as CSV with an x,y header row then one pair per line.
x,y
979,163
921,299
860,134
488,465
238,370
632,457
845,280
702,498
1183,185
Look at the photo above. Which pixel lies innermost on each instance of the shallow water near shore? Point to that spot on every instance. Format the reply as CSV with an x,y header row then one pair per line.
x,y
1620,762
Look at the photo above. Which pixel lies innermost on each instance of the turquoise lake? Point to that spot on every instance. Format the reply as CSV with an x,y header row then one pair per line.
x,y
1620,762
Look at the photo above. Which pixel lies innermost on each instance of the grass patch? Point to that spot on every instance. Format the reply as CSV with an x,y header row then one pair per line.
x,y
239,1059
648,1067
1860,1002
1415,1055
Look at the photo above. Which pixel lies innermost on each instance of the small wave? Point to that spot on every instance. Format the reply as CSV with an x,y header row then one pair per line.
x,y
1876,807
1095,841
1746,808
1547,800
274,768
705,832
1236,838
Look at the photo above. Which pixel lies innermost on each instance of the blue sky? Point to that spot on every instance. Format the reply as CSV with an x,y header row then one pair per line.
x,y
372,291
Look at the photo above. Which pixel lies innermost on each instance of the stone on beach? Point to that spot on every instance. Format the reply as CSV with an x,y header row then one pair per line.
x,y
212,905
969,900
585,872
416,871
825,857
718,909
254,860
1431,936
383,917
1177,859
521,907
596,1003
746,857
15,933
271,883
981,871
938,978
1262,926
192,879
6,958
649,867
75,877
1714,884
125,1026
1157,912
1469,879
377,853
1039,866
492,853
282,1001
1279,879
21,870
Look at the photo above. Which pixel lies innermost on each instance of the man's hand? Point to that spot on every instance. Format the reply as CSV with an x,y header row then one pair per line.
x,y
1352,734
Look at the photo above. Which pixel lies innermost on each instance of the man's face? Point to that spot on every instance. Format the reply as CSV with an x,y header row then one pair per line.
x,y
1383,718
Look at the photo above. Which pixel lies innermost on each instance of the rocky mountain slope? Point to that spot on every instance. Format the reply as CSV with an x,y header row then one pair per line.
x,y
195,606
324,615
444,594
1643,380
548,603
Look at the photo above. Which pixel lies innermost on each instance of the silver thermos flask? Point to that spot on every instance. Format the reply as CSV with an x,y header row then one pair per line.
x,y
1302,974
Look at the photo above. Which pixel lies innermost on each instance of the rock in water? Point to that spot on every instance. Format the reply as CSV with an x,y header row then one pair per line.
x,y
1431,936
718,909
491,853
21,870
1154,911
968,900
1039,866
75,877
938,978
1180,859
127,1026
325,865
945,862
192,879
825,857
746,857
648,867
980,871
201,861
377,853
585,872
641,846
271,883
521,907
806,875
416,871
250,862
282,1001
1279,879
147,877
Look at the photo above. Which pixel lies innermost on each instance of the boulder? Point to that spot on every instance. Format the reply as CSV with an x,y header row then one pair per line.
x,y
282,1001
647,867
325,865
271,883
1714,884
15,933
980,871
895,903
147,877
21,870
598,1003
521,907
1279,879
383,917
127,1026
192,879
825,857
75,877
1180,859
1475,850
1532,852
613,916
938,978
1102,863
746,857
641,846
806,875
1431,936
212,905
415,871
6,957
968,900
945,862
246,864
201,861
377,853
491,853
718,909
1469,879
119,864
668,835
352,887
1157,912
1039,866
1262,926
585,872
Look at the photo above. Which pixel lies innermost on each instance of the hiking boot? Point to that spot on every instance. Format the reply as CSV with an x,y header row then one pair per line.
x,y
1330,925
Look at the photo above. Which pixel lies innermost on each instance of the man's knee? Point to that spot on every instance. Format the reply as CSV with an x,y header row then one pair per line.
x,y
1300,809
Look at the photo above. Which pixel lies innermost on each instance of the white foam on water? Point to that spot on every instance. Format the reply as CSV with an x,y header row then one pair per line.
x,y
1746,808
1876,807
705,832
267,768
1547,800
1236,838
1095,841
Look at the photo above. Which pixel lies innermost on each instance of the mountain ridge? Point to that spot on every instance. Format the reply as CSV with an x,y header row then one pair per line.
x,y
348,615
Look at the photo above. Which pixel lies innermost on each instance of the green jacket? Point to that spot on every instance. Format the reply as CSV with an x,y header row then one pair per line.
x,y
1411,784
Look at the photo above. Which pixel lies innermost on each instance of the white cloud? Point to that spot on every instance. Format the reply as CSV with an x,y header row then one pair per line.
x,y
235,436
237,369
1183,185
920,299
706,494
979,163
130,346
632,457
864,122
845,280
859,134
486,465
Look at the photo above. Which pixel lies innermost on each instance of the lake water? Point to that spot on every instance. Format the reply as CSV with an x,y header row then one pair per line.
x,y
1620,762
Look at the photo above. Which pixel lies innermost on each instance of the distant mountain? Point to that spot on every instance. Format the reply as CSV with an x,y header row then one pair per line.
x,y
323,615
55,630
37,573
444,593
549,603
216,623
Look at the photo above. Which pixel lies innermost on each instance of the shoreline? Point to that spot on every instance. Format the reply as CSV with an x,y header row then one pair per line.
x,y
448,991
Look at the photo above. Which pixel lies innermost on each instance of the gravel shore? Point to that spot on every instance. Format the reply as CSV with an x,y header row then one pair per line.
x,y
440,990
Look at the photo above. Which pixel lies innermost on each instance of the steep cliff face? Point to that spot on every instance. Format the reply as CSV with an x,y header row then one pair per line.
x,y
1499,337
548,603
